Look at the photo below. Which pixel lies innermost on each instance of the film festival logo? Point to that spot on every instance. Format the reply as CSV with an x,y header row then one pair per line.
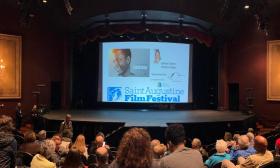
x,y
114,93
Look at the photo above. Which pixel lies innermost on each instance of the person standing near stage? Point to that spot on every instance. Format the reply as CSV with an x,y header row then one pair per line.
x,y
19,115
66,125
35,118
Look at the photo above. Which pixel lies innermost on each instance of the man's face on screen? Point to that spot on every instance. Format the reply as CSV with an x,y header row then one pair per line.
x,y
121,63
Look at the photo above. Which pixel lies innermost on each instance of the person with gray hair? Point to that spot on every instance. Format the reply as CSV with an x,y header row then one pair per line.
x,y
221,147
43,158
261,157
243,148
251,137
66,125
197,145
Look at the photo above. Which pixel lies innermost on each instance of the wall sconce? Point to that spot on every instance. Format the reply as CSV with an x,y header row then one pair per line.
x,y
2,65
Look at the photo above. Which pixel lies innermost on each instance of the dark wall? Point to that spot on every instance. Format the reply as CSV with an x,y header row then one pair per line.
x,y
85,78
246,60
42,56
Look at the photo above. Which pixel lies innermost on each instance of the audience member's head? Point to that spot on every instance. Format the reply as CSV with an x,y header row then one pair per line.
x,y
154,142
80,144
236,137
221,146
228,136
251,130
243,142
196,143
251,137
260,144
102,156
6,124
159,150
99,139
42,135
175,134
29,137
57,139
73,159
135,149
47,148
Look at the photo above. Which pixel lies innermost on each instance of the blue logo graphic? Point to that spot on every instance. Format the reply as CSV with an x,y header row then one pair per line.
x,y
114,93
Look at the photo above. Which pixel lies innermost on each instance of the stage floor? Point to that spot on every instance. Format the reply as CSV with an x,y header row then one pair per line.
x,y
149,118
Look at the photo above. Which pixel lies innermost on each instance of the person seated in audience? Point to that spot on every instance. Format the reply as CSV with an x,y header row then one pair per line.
x,y
102,157
154,142
196,144
158,152
251,137
251,130
277,148
66,125
228,138
221,148
8,144
80,145
73,159
134,150
235,140
180,156
242,149
41,136
66,140
29,145
99,141
262,156
42,160
59,149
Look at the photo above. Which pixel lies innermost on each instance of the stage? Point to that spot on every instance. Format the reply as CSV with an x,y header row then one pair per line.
x,y
205,124
149,118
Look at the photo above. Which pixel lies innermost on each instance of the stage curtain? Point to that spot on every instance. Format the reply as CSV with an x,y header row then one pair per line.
x,y
102,32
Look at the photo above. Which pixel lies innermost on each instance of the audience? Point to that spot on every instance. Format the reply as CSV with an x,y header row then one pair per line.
x,y
42,159
261,157
221,147
8,144
180,156
73,159
196,144
242,149
80,145
29,145
134,150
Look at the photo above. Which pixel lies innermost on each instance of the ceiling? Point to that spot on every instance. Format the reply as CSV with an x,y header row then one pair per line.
x,y
210,11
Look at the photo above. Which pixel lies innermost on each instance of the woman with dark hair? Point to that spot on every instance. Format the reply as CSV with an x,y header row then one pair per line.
x,y
73,159
134,150
29,144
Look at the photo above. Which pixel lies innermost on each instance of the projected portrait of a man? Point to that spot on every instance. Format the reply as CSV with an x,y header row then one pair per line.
x,y
122,60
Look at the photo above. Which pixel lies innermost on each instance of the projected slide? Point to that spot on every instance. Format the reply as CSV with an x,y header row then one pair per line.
x,y
145,72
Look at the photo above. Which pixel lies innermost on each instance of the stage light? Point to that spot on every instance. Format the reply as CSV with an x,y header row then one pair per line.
x,y
186,38
147,29
246,6
121,36
167,36
45,1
